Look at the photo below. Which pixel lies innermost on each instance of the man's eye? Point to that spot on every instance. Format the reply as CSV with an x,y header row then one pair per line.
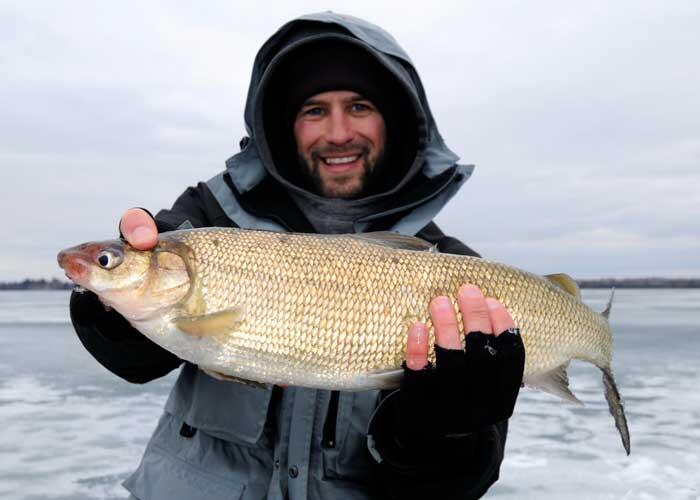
x,y
313,111
360,107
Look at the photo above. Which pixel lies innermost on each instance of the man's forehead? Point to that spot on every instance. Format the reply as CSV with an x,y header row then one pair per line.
x,y
334,95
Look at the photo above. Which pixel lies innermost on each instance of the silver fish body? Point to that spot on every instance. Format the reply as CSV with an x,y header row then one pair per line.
x,y
332,312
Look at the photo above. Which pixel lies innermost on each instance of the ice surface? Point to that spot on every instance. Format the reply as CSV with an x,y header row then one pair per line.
x,y
71,430
34,306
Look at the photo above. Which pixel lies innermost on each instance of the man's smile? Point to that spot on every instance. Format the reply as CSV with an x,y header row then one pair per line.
x,y
340,160
340,137
341,164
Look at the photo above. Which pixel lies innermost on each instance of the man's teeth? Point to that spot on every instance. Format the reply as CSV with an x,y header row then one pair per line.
x,y
340,161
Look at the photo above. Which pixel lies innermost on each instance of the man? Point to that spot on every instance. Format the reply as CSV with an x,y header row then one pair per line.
x,y
341,140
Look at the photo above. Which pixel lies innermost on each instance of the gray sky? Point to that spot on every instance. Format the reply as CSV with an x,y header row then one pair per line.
x,y
583,120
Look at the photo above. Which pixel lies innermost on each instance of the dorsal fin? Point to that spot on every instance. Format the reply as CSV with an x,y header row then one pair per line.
x,y
566,283
395,240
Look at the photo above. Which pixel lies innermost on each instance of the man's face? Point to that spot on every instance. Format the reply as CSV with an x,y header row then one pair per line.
x,y
340,139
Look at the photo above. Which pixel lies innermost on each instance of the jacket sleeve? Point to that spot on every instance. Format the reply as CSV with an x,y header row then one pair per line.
x,y
111,340
460,468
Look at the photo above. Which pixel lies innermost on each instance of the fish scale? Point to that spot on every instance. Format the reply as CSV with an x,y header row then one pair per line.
x,y
353,279
332,312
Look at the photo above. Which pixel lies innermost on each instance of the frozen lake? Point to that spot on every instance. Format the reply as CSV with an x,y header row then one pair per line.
x,y
71,430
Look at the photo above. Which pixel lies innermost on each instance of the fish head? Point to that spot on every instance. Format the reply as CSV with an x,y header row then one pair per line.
x,y
137,283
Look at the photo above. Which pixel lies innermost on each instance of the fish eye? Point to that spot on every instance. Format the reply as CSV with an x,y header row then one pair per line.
x,y
109,259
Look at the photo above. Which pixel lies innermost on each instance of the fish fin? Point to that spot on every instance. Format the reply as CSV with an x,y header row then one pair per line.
x,y
566,283
396,241
387,379
554,382
606,312
229,378
211,325
616,407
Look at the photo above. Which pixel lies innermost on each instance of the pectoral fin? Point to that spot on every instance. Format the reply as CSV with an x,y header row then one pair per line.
x,y
554,382
211,325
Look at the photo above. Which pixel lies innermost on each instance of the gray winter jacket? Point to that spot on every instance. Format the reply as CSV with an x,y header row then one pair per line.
x,y
220,440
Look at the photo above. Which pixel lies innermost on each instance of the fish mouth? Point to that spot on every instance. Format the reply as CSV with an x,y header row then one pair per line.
x,y
75,267
76,263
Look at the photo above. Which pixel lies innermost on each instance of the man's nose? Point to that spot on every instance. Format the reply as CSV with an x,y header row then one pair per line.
x,y
339,129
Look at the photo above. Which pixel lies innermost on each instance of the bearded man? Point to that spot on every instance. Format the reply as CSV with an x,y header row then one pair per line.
x,y
341,140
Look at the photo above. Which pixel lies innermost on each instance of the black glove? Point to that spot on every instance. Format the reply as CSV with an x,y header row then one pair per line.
x,y
465,391
434,436
438,410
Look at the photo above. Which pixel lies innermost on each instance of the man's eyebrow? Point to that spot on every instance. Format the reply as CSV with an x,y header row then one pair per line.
x,y
312,102
320,102
356,98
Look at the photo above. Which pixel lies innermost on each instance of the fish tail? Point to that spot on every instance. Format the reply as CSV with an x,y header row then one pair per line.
x,y
612,395
615,405
608,308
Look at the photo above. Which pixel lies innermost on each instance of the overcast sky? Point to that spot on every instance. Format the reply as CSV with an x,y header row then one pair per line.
x,y
583,120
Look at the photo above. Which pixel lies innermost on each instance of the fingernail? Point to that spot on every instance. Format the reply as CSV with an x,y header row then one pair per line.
x,y
141,234
492,303
471,291
415,334
442,303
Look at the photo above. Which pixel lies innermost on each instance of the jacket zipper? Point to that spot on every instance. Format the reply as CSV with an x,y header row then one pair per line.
x,y
328,440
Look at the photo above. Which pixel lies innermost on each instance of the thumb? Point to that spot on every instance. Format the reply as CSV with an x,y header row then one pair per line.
x,y
139,229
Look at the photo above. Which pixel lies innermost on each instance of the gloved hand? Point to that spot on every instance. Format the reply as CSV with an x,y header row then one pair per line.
x,y
467,389
439,420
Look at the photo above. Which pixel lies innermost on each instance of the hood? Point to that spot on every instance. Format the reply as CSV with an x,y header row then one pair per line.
x,y
256,161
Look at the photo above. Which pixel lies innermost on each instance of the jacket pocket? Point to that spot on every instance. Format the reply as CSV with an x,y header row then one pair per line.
x,y
227,410
196,467
349,458
164,476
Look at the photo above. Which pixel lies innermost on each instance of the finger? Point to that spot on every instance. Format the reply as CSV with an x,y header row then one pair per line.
x,y
500,319
475,314
139,229
417,347
107,307
444,319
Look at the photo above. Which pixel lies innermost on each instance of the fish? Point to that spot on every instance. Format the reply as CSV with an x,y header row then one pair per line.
x,y
330,311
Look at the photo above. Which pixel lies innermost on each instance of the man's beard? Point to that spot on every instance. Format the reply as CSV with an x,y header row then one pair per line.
x,y
310,168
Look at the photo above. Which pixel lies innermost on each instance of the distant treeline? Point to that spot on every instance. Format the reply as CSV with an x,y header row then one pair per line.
x,y
42,284
56,284
640,283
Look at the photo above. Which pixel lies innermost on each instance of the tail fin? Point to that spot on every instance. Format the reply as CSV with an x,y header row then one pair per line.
x,y
612,395
606,312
